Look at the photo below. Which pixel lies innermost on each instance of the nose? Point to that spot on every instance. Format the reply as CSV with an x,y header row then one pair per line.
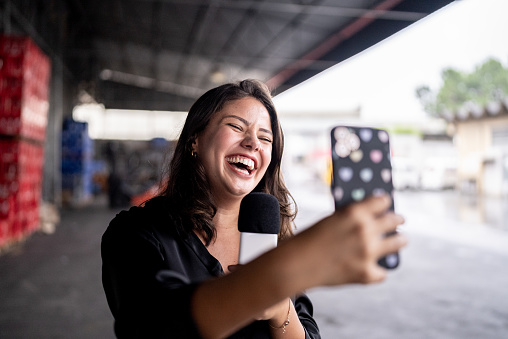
x,y
251,142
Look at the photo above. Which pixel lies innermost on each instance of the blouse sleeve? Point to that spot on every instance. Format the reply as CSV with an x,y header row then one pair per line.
x,y
304,309
143,306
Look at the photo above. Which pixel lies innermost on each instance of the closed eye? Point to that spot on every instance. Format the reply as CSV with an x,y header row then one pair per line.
x,y
235,126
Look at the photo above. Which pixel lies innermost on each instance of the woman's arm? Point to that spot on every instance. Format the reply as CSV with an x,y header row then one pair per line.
x,y
340,249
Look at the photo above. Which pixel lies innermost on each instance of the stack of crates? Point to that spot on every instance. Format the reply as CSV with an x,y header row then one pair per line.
x,y
77,164
24,82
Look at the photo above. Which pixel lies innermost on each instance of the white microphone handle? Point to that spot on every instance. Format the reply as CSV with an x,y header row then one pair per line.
x,y
252,245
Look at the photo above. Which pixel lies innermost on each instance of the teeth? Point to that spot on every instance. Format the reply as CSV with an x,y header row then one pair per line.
x,y
249,163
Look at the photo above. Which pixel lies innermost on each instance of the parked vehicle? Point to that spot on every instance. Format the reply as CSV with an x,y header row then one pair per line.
x,y
405,174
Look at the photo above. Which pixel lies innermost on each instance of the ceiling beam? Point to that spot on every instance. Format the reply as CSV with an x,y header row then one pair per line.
x,y
335,11
249,16
123,41
150,83
333,41
155,37
196,36
284,33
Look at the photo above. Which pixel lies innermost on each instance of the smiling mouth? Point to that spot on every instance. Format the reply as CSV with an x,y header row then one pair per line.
x,y
241,164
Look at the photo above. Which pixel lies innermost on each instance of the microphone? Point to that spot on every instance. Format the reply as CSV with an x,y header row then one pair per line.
x,y
259,224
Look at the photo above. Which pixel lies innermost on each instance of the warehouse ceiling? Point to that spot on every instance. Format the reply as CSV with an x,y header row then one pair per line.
x,y
163,54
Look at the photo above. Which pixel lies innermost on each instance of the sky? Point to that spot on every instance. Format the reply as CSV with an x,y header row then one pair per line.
x,y
382,79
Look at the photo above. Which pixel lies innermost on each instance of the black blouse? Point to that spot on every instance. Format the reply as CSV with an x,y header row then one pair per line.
x,y
150,271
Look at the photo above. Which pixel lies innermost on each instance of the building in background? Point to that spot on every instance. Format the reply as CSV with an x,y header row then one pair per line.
x,y
423,155
482,144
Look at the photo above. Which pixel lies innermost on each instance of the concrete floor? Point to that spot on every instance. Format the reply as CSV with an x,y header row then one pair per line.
x,y
50,286
452,282
453,277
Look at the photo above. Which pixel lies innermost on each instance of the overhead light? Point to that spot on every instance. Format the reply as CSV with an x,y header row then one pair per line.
x,y
217,76
105,74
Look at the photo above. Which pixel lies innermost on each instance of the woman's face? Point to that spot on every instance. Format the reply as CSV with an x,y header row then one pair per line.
x,y
236,148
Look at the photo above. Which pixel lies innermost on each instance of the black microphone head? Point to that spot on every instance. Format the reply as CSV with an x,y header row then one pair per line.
x,y
259,213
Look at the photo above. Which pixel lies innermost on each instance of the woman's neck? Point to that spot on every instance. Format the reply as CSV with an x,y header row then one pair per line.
x,y
226,219
226,245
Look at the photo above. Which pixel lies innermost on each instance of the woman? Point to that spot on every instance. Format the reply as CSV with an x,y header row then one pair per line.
x,y
168,266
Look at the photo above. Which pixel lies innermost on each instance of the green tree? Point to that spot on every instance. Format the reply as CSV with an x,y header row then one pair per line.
x,y
486,84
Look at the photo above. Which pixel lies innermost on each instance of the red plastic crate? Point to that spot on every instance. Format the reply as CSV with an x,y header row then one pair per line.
x,y
22,58
24,87
28,118
21,165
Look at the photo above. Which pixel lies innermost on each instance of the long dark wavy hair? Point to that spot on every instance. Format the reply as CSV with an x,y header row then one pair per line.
x,y
191,203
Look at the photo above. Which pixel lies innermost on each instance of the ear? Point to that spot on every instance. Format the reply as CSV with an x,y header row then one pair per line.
x,y
194,144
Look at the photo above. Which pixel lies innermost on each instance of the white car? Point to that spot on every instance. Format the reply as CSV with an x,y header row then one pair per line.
x,y
405,174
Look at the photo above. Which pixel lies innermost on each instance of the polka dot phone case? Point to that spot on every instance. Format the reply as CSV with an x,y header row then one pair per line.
x,y
361,167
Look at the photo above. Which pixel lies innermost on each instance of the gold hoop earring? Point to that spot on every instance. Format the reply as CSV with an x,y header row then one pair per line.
x,y
194,154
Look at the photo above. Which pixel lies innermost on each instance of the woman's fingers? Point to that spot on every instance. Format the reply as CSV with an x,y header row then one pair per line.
x,y
346,246
371,220
378,204
232,268
367,210
389,222
393,243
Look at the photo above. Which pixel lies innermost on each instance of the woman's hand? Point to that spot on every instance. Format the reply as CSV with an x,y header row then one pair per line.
x,y
346,246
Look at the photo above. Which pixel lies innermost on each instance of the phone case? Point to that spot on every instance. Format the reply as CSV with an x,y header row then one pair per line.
x,y
361,167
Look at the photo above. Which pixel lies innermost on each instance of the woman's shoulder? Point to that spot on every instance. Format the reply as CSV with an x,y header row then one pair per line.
x,y
138,220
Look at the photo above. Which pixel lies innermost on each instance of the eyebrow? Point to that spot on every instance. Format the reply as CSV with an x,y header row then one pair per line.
x,y
246,122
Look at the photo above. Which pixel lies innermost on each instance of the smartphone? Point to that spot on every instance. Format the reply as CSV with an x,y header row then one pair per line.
x,y
361,167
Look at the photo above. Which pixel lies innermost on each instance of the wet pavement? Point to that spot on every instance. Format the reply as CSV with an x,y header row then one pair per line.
x,y
453,278
452,282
